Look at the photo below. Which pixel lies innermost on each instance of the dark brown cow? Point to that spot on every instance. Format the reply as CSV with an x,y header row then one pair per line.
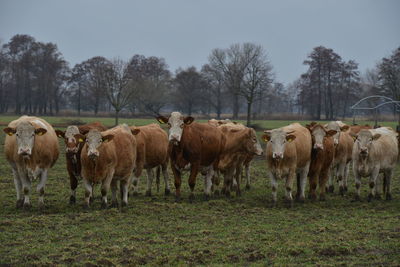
x,y
197,144
73,148
322,154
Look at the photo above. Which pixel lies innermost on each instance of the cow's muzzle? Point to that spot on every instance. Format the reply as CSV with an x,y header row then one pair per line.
x,y
319,146
277,155
24,151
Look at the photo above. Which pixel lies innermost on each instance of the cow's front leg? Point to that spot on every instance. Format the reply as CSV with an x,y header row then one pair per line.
x,y
372,183
237,179
323,178
208,182
18,187
340,175
247,172
303,182
177,182
74,184
88,192
124,184
357,180
346,176
26,188
40,187
192,179
288,187
274,188
387,179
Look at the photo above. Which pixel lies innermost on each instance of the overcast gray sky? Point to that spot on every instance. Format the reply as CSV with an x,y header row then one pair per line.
x,y
185,31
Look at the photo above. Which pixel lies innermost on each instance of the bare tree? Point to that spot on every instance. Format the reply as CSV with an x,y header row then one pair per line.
x,y
119,88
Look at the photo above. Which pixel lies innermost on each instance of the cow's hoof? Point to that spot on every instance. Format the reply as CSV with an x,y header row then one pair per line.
x,y
103,205
300,199
370,197
114,204
228,194
91,200
312,197
341,190
135,194
124,204
238,193
167,191
148,193
86,206
273,204
27,206
177,199
247,187
20,203
378,196
191,198
206,197
41,206
388,196
345,188
72,200
357,198
289,204
331,189
216,192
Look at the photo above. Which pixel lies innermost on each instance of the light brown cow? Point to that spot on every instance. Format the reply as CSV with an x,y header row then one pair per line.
x,y
73,148
240,142
107,158
31,147
343,155
288,153
322,155
198,145
375,151
152,151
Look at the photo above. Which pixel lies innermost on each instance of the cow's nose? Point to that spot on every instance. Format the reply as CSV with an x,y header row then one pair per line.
x,y
364,150
24,151
277,155
319,146
174,137
93,154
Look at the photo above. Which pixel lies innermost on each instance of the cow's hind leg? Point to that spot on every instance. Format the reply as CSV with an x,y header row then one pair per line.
x,y
302,181
88,192
74,184
40,187
289,186
166,179
388,178
105,187
177,182
114,191
124,185
192,179
150,176
208,182
274,188
372,183
247,172
341,177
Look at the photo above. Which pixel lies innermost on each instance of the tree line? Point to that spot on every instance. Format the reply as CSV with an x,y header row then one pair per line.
x,y
36,79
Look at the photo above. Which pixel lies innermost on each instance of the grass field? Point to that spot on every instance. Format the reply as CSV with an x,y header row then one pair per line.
x,y
236,231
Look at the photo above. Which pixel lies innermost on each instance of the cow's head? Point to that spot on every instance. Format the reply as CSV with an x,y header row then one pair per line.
x,y
333,125
25,134
94,140
364,140
318,134
72,143
278,139
253,145
176,122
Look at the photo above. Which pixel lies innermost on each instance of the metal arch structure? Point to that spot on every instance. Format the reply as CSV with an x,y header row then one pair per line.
x,y
375,108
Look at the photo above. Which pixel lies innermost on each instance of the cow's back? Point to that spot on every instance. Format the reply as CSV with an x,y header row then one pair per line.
x,y
302,143
343,151
155,141
385,148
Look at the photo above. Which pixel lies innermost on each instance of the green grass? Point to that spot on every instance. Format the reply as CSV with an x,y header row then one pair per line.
x,y
157,231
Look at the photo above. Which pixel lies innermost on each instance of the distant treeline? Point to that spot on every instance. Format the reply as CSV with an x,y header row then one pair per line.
x,y
36,79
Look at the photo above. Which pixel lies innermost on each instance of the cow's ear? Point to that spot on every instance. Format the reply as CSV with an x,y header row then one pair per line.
x,y
40,131
234,130
107,138
353,135
344,128
308,126
313,123
290,137
188,120
10,131
80,138
376,136
162,119
266,137
135,131
331,133
60,134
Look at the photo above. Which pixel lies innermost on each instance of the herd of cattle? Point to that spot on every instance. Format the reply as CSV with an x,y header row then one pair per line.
x,y
117,156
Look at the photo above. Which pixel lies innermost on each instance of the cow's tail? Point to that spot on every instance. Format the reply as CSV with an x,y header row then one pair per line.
x,y
158,178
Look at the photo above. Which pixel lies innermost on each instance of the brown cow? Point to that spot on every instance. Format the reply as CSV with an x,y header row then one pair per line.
x,y
31,147
288,153
73,148
152,151
322,154
240,142
197,144
343,155
108,157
